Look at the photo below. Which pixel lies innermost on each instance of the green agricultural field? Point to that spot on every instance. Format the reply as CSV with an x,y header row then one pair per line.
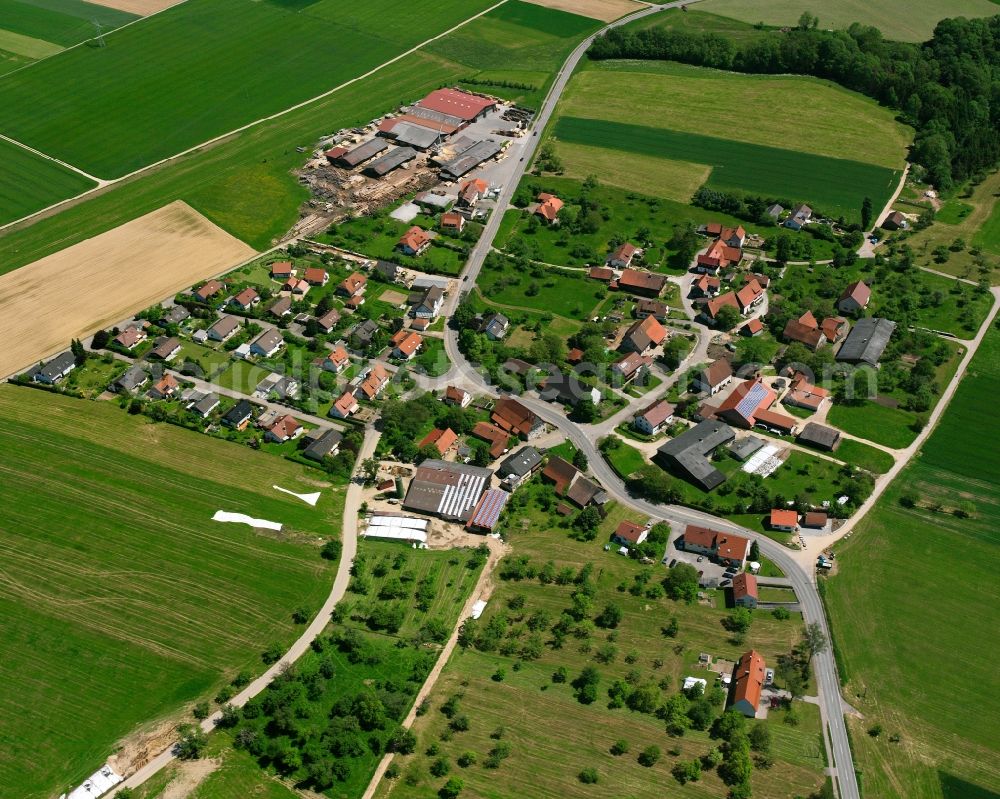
x,y
29,183
226,62
890,427
829,120
891,643
988,235
61,22
833,185
119,585
508,692
897,19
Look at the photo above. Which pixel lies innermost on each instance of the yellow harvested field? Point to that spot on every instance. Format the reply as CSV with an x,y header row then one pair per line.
x,y
604,10
141,7
645,174
103,280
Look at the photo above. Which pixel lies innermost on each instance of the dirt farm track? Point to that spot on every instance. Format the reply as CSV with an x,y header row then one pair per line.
x,y
103,280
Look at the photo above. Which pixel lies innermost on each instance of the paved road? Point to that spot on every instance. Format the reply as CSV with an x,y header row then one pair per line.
x,y
352,506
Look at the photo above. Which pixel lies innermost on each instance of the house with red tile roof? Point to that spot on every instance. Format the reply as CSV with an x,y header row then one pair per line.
x,y
316,276
745,590
784,519
753,327
246,300
548,207
728,549
208,290
296,285
834,328
621,257
414,242
516,419
639,282
452,221
705,286
746,402
855,298
442,440
345,405
718,256
710,310
285,428
130,337
653,419
282,270
405,344
750,296
630,534
165,387
336,361
376,380
471,192
748,680
457,396
802,394
601,273
495,436
631,366
643,336
805,330
716,376
352,285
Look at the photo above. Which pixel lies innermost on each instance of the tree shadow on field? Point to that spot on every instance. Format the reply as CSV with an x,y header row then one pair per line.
x,y
953,787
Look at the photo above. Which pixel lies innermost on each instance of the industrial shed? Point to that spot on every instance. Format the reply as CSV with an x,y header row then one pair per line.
x,y
361,153
448,490
689,453
468,159
390,161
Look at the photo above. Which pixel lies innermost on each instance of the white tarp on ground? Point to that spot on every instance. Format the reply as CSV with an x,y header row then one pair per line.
x,y
690,682
400,522
395,533
311,499
225,516
478,607
100,782
763,461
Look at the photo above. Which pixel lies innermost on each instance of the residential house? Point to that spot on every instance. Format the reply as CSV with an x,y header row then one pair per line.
x,y
749,676
815,520
328,321
561,473
715,377
802,394
285,428
710,310
281,307
783,519
761,278
654,418
267,343
296,286
414,242
745,590
753,327
165,349
749,405
405,344
806,331
282,270
645,307
432,201
705,286
56,369
375,381
430,303
774,211
388,271
750,296
471,192
643,336
728,549
364,334
567,389
601,273
515,419
798,217
629,534
224,329
495,436
246,300
855,298
495,326
441,440
732,236
204,405
164,388
336,361
631,366
345,405
316,276
321,443
457,396
279,386
130,337
895,221
866,342
635,281
621,257
352,285
518,467
134,377
834,328
239,416
174,315
207,290
453,221
548,207
718,256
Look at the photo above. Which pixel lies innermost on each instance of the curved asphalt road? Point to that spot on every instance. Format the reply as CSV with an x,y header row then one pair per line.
x,y
831,706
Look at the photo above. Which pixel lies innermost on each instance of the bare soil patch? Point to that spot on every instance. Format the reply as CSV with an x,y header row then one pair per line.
x,y
141,7
190,774
103,280
604,10
393,297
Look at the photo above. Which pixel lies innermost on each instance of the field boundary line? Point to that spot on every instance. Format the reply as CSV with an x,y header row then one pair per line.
x,y
270,118
104,35
99,181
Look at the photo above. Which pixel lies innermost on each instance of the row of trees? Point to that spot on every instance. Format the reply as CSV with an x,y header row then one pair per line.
x,y
945,88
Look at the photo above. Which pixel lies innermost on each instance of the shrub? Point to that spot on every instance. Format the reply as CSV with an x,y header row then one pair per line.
x,y
588,776
619,747
440,767
467,759
649,756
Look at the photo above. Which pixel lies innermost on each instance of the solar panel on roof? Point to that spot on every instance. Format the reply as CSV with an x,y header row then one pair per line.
x,y
751,400
489,509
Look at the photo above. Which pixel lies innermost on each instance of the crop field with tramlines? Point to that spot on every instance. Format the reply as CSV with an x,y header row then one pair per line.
x,y
120,600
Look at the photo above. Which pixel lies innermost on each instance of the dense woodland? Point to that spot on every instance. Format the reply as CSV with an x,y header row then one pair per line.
x,y
948,88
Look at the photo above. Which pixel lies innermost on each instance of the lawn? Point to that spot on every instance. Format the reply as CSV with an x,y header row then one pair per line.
x,y
830,121
897,19
432,357
509,695
625,460
62,22
119,585
953,212
29,183
891,642
568,294
226,62
864,456
835,186
988,235
890,427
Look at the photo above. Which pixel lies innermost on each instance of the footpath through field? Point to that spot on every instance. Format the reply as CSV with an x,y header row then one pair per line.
x,y
352,507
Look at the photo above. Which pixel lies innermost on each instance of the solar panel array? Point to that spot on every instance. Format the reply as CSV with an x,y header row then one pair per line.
x,y
490,508
751,400
459,498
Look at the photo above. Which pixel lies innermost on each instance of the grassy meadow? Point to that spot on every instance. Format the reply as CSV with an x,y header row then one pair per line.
x,y
834,186
122,601
29,183
897,19
552,736
902,609
207,56
61,22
